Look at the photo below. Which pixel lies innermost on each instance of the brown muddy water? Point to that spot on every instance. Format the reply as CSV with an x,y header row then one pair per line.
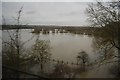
x,y
65,46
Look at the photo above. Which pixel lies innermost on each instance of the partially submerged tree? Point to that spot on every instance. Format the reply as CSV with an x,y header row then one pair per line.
x,y
62,71
41,52
83,59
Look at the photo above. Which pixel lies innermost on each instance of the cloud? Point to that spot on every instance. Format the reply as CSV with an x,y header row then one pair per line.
x,y
62,13
30,12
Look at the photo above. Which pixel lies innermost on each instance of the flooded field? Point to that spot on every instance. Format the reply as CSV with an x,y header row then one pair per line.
x,y
63,47
64,39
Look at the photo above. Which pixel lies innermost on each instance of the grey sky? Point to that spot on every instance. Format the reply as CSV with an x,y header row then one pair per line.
x,y
0,14
55,0
58,13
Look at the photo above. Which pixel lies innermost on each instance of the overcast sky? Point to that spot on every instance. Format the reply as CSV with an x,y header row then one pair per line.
x,y
58,13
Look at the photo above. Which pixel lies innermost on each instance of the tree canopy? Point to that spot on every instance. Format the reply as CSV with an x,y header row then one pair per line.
x,y
106,15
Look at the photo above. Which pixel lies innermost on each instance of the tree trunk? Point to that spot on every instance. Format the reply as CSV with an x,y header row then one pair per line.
x,y
83,66
18,52
119,59
118,49
41,66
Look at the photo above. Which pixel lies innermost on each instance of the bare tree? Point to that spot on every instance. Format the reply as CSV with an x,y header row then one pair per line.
x,y
83,59
106,15
40,52
62,71
14,54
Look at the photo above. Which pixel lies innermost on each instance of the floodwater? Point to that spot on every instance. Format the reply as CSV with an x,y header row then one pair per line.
x,y
65,46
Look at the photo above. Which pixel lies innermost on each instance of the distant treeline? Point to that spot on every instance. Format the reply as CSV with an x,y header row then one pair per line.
x,y
73,29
